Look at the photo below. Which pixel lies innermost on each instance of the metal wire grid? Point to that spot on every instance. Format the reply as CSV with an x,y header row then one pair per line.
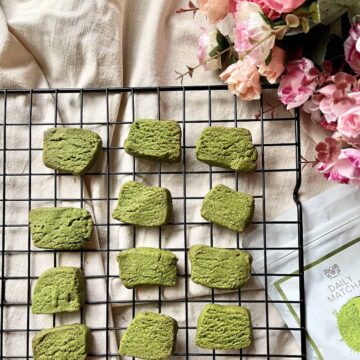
x,y
107,149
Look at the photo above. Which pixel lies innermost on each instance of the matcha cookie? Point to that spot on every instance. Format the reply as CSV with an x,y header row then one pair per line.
x,y
61,289
219,268
60,228
348,320
228,208
155,140
229,148
150,336
224,327
143,205
67,342
71,150
147,266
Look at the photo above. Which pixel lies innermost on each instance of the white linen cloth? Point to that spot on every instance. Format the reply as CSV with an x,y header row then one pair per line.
x,y
107,43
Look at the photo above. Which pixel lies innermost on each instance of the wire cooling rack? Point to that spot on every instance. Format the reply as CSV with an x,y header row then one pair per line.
x,y
25,179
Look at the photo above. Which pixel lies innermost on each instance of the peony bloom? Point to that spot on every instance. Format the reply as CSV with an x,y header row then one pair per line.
x,y
270,13
206,42
347,168
216,10
298,83
333,103
254,37
276,67
340,172
349,125
353,155
336,98
352,48
243,80
339,165
283,6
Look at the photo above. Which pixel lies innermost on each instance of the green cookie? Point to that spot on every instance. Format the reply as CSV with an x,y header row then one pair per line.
x,y
228,208
155,140
229,148
67,342
61,289
219,268
224,327
143,205
150,336
147,266
60,228
71,150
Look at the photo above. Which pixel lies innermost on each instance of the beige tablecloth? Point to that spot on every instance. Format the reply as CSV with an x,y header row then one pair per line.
x,y
105,43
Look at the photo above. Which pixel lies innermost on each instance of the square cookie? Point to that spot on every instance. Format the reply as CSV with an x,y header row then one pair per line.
x,y
147,266
71,150
155,140
62,228
224,327
228,208
61,289
229,148
149,336
67,342
143,205
219,268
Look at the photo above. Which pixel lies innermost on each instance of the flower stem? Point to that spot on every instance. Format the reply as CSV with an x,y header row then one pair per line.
x,y
191,69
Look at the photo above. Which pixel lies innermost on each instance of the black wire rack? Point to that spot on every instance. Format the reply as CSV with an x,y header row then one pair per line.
x,y
22,333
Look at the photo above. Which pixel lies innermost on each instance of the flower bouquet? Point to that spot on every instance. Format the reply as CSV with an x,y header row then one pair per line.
x,y
311,48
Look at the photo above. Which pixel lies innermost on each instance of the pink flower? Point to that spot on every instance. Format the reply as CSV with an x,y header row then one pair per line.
x,y
243,80
339,172
347,168
312,107
283,6
333,103
216,10
206,42
339,165
276,67
335,98
270,13
352,48
349,125
254,37
298,83
353,155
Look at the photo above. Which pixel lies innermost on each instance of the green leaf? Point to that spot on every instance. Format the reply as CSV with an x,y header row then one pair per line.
x,y
268,59
214,51
233,59
310,10
354,12
330,10
266,19
335,51
222,41
315,13
336,28
316,45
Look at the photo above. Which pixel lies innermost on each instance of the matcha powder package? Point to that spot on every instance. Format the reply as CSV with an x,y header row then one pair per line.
x,y
332,273
348,320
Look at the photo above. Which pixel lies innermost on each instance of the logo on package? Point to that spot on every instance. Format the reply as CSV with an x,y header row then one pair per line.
x,y
333,271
